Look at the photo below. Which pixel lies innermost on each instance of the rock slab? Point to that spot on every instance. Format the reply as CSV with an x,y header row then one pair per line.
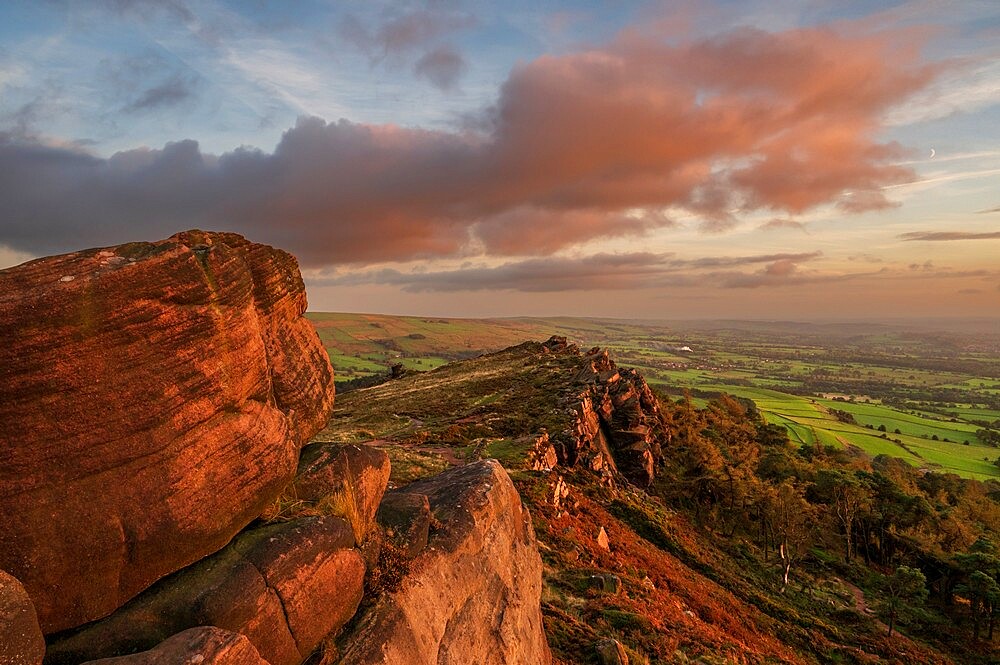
x,y
284,586
21,641
206,645
473,595
347,480
153,399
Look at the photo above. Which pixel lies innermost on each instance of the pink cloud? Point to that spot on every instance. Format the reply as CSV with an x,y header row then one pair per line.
x,y
745,121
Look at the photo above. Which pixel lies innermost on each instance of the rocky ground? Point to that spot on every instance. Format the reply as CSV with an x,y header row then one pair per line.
x,y
159,504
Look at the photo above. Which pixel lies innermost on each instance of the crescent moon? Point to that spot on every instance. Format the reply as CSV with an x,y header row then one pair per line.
x,y
932,154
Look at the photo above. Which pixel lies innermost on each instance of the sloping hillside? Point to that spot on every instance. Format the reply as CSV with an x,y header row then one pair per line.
x,y
642,567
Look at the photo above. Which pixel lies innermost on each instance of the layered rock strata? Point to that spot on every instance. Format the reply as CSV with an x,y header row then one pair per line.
x,y
617,426
153,399
284,586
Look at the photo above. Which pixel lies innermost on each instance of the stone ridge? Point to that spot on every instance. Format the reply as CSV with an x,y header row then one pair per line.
x,y
153,399
618,426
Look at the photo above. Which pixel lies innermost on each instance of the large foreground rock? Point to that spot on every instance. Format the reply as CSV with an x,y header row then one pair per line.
x,y
472,596
153,398
285,586
21,641
207,645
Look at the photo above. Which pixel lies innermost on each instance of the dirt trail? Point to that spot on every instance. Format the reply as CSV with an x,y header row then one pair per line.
x,y
861,605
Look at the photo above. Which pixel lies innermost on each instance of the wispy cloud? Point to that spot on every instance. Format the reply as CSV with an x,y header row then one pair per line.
x,y
970,88
949,235
777,224
167,94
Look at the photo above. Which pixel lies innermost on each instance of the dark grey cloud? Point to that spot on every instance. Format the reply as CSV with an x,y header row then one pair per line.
x,y
442,66
936,236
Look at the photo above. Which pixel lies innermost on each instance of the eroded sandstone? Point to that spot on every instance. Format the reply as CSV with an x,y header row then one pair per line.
x,y
21,641
472,595
284,586
153,399
206,645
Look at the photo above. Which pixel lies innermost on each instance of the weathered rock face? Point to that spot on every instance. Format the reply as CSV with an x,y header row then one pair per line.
x,y
473,594
346,480
206,645
406,520
618,424
153,398
284,586
21,641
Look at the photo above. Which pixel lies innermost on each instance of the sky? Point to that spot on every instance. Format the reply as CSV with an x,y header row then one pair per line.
x,y
756,159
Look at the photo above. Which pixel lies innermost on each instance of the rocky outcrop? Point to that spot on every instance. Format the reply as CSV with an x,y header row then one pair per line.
x,y
153,399
473,594
21,641
206,645
618,426
284,586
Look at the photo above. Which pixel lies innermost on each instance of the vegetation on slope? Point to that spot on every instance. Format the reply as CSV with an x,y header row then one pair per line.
x,y
749,547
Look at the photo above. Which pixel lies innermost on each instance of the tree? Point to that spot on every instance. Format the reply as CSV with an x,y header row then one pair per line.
x,y
983,593
903,589
845,492
980,587
789,521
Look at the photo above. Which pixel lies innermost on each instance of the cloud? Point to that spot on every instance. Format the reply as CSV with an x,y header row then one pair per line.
x,y
866,258
577,147
147,82
169,93
397,35
776,224
989,210
442,67
733,261
949,235
602,271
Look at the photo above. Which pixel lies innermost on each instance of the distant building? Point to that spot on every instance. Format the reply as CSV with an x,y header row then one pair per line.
x,y
686,349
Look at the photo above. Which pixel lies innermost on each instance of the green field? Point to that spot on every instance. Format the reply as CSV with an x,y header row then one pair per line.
x,y
930,391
